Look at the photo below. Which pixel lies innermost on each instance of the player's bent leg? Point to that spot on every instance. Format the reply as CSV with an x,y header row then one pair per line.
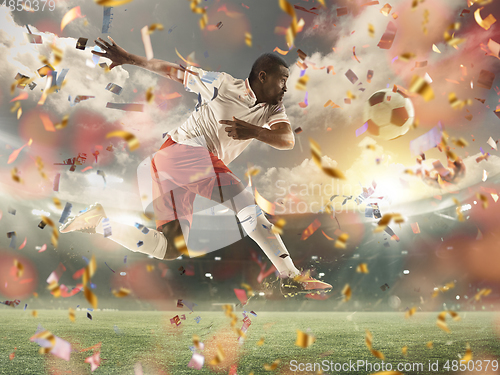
x,y
171,231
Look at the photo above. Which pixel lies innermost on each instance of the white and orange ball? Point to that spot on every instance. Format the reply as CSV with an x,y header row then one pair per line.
x,y
389,114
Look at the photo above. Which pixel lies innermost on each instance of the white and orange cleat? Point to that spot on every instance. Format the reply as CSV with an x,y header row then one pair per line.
x,y
303,284
86,222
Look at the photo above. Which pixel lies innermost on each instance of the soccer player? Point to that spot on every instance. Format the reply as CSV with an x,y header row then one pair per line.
x,y
193,161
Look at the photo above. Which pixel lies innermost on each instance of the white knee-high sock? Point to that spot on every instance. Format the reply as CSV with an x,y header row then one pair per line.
x,y
259,229
153,243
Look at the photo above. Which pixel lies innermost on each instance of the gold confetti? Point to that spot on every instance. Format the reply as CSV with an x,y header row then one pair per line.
x,y
317,155
368,339
200,10
404,350
249,290
260,342
377,354
386,9
435,49
34,313
371,30
329,103
90,297
132,141
430,344
484,23
57,203
123,292
248,39
155,26
54,289
340,242
44,335
20,268
410,312
15,176
420,86
386,219
63,123
468,354
15,107
272,366
362,268
302,82
405,57
150,267
484,199
71,313
55,233
304,340
292,30
347,293
219,357
482,293
150,96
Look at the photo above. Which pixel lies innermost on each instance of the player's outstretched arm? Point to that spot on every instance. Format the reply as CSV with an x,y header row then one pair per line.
x,y
120,56
280,135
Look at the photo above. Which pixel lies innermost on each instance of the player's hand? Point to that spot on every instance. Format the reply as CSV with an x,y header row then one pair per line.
x,y
240,130
112,51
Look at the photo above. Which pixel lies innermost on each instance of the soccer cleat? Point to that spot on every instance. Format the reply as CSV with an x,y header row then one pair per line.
x,y
303,284
86,222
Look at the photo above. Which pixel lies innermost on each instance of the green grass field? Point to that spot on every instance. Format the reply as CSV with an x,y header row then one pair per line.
x,y
149,338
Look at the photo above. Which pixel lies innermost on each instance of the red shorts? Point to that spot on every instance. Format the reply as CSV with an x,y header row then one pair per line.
x,y
180,172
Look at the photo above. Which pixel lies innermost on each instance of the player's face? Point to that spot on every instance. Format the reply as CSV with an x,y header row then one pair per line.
x,y
276,86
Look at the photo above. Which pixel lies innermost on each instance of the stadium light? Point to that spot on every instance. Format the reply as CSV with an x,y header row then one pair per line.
x,y
217,258
262,294
321,274
406,272
314,257
457,297
208,274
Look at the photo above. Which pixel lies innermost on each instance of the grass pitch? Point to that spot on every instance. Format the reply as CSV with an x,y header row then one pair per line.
x,y
149,338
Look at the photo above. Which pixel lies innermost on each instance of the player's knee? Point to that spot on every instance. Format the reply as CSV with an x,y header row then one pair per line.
x,y
171,231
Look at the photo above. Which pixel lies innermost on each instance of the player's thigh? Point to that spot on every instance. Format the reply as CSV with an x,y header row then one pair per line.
x,y
234,196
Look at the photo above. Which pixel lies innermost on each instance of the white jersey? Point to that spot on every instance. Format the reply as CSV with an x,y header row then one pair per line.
x,y
220,97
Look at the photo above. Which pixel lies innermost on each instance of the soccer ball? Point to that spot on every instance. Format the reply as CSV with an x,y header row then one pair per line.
x,y
389,114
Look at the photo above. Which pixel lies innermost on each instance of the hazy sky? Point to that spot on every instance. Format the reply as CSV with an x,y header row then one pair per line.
x,y
326,38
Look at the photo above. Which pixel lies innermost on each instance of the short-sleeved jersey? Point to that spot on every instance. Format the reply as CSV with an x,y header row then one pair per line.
x,y
220,97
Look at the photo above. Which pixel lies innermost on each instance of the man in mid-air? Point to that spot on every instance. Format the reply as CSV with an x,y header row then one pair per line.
x,y
193,161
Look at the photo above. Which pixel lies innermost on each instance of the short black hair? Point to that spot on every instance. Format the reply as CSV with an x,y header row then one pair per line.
x,y
267,62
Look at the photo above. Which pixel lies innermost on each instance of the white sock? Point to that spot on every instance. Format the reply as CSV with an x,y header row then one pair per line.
x,y
153,243
259,229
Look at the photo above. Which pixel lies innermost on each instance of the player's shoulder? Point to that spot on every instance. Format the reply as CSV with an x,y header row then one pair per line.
x,y
276,108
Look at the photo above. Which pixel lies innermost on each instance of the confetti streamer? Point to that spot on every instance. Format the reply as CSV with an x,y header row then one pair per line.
x,y
362,268
186,61
484,23
123,292
132,141
71,16
340,242
146,41
13,156
112,3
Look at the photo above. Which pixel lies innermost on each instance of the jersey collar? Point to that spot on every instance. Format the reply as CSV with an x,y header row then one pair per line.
x,y
251,95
